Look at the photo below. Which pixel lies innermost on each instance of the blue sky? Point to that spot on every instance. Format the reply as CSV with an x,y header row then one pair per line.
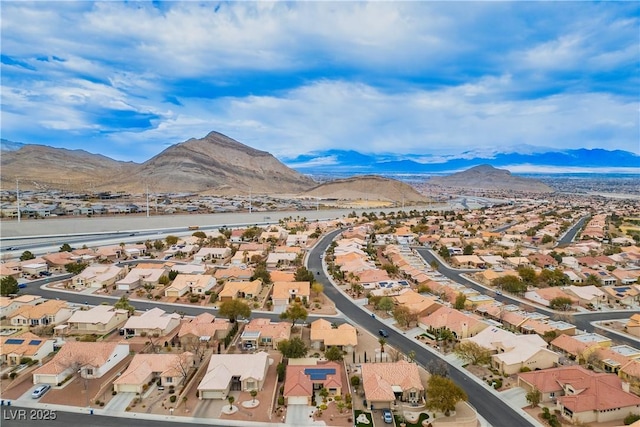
x,y
129,79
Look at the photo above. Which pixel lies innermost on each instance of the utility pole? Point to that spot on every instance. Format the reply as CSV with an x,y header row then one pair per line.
x,y
18,197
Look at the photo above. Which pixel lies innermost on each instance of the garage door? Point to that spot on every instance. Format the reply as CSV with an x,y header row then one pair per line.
x,y
298,400
127,388
212,394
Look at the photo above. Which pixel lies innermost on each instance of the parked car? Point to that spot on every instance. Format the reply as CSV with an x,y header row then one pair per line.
x,y
383,333
40,391
387,416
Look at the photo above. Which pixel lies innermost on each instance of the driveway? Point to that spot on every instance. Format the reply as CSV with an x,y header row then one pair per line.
x,y
119,403
300,416
515,396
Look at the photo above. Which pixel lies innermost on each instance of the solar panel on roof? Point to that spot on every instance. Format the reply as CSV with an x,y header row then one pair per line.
x,y
35,342
319,373
14,341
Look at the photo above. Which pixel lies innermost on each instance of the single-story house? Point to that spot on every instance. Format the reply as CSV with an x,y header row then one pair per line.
x,y
324,335
302,381
234,290
386,383
285,292
14,348
264,332
582,395
194,283
152,322
51,312
100,319
170,369
91,359
226,372
98,276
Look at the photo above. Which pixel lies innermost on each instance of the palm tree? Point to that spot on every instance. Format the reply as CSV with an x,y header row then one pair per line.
x,y
253,394
382,342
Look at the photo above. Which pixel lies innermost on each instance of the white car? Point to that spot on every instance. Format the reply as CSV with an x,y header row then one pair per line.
x,y
40,391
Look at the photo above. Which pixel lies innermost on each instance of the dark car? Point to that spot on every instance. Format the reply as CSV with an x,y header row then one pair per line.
x,y
383,333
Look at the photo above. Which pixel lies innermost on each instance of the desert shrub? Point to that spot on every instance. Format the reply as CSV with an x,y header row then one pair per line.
x,y
281,400
173,398
631,418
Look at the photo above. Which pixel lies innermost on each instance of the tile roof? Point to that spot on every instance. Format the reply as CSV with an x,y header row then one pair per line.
x,y
164,365
298,382
223,366
82,354
99,314
343,335
47,308
378,379
594,391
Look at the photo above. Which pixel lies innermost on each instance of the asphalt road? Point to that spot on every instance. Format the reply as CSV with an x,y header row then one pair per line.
x,y
16,416
581,320
490,407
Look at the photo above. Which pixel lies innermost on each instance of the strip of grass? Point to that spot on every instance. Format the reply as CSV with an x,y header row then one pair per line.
x,y
357,412
423,416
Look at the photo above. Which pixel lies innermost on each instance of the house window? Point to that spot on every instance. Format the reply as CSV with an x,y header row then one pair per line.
x,y
552,394
89,371
168,380
251,385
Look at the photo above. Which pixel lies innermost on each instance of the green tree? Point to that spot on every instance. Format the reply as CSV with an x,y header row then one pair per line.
x,y
158,245
555,277
473,353
528,275
231,399
592,280
8,286
75,267
385,304
124,304
460,300
547,239
333,354
233,309
468,250
438,367
444,252
560,303
171,240
65,248
534,397
293,348
173,274
510,283
253,394
294,313
355,382
164,280
199,234
302,274
443,394
26,255
262,273
382,341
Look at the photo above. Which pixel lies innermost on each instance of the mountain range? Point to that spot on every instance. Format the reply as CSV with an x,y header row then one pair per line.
x,y
343,161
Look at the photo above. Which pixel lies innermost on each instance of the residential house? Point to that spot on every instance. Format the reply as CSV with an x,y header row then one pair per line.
x,y
235,290
51,312
8,306
197,284
419,305
264,333
170,369
154,322
27,345
281,259
512,352
90,359
579,347
58,260
10,269
99,276
286,292
462,325
625,295
228,372
544,296
586,295
384,384
633,325
100,320
468,261
139,276
324,335
302,381
582,395
241,274
203,328
212,254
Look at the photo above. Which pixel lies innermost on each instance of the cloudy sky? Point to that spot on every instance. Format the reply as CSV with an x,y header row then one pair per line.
x,y
129,79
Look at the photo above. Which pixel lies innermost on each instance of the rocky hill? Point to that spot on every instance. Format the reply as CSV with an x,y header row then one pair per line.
x,y
367,187
217,164
487,177
43,167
